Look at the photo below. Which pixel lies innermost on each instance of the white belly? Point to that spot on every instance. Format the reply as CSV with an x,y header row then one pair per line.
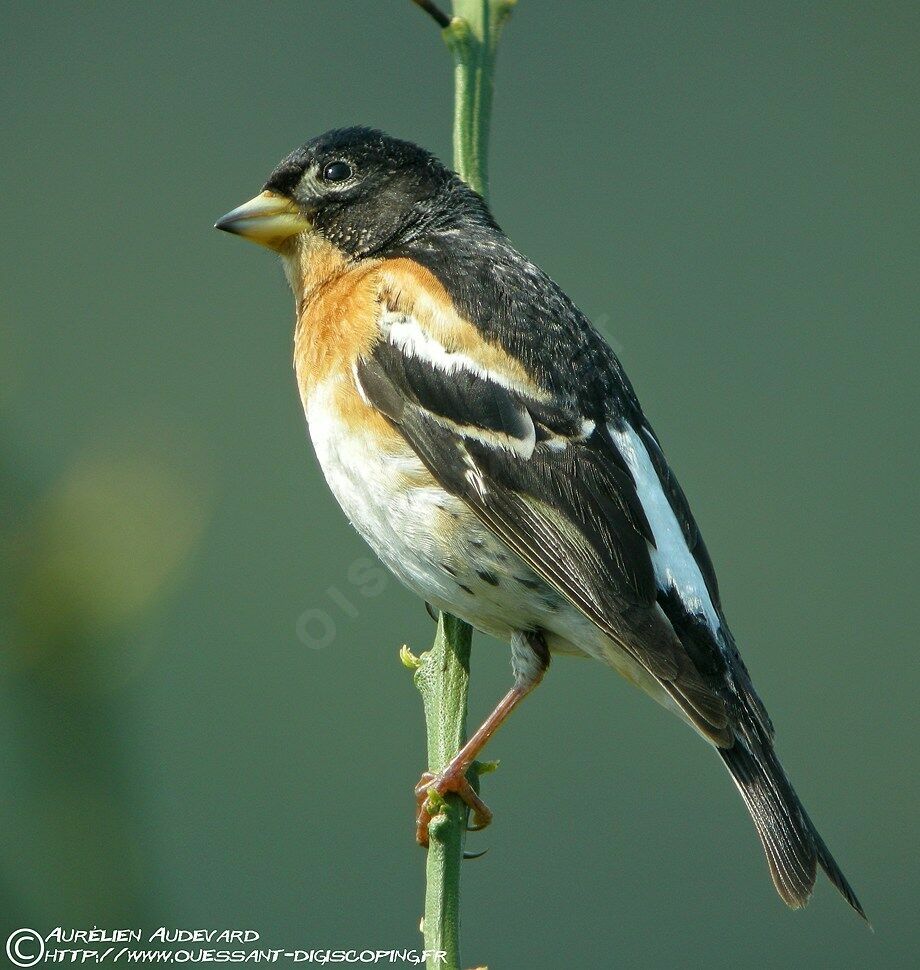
x,y
427,537
396,522
439,548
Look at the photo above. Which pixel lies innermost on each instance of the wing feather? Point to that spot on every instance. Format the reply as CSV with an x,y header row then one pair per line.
x,y
542,477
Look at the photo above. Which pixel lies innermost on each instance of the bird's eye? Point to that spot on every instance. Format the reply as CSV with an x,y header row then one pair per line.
x,y
336,171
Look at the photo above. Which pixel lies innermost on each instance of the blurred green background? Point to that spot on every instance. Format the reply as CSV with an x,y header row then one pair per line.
x,y
203,721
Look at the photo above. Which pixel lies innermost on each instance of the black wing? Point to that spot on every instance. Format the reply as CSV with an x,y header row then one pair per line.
x,y
547,479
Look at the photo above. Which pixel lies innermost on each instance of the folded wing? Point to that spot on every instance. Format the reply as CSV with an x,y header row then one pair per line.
x,y
544,475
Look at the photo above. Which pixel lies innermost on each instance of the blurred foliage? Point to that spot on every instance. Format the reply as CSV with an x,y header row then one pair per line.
x,y
83,562
100,548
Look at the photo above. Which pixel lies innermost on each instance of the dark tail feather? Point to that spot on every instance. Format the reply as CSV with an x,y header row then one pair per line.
x,y
790,841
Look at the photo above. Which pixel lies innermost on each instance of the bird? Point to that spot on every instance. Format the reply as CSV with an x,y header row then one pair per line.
x,y
484,439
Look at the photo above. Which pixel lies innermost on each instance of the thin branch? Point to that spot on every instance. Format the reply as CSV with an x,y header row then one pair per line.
x,y
432,8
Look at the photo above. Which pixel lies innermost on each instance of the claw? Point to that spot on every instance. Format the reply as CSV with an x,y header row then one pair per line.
x,y
474,855
430,791
431,611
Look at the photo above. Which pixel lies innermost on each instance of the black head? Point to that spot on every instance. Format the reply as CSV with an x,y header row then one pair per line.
x,y
364,191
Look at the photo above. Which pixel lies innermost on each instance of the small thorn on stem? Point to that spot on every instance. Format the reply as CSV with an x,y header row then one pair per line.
x,y
408,658
485,767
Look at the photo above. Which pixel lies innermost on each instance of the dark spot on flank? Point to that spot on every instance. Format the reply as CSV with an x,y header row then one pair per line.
x,y
487,577
466,589
528,583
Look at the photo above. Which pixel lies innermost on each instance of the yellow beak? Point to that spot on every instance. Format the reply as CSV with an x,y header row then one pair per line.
x,y
269,219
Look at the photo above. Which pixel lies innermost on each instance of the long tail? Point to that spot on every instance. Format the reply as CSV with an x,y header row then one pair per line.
x,y
790,841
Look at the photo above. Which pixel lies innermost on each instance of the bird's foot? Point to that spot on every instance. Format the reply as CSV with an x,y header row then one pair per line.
x,y
432,788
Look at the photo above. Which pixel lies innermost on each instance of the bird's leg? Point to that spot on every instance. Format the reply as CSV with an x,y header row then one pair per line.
x,y
529,660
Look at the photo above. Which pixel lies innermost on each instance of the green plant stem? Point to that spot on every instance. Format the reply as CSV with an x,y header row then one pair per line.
x,y
443,673
472,37
443,678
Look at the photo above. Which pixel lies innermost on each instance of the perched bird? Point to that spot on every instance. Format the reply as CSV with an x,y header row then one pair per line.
x,y
486,442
